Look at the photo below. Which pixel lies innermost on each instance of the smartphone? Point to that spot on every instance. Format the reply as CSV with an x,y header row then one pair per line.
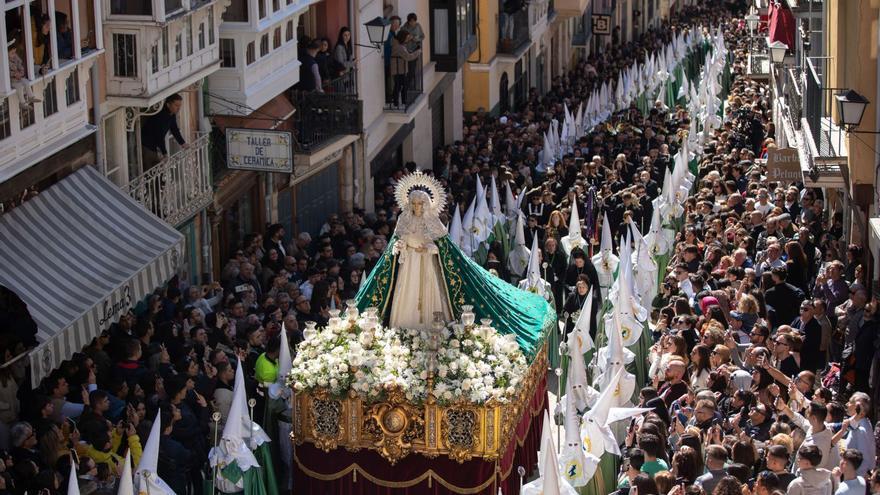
x,y
682,419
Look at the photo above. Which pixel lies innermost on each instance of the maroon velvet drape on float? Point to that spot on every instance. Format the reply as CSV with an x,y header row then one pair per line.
x,y
365,472
782,25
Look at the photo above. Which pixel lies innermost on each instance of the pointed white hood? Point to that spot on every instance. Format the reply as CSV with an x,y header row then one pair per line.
x,y
73,482
126,485
605,261
147,473
579,342
533,281
455,227
510,206
574,239
495,205
546,441
628,310
576,466
595,428
279,389
518,259
240,434
482,223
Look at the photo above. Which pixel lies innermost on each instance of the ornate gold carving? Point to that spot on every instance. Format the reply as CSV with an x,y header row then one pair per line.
x,y
395,428
325,422
461,429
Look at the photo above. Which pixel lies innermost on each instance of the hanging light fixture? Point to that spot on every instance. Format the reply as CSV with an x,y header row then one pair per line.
x,y
851,108
777,51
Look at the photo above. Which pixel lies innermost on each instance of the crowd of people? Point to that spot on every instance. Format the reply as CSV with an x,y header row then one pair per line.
x,y
759,379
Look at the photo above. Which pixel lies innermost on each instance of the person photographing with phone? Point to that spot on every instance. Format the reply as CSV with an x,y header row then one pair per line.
x,y
858,433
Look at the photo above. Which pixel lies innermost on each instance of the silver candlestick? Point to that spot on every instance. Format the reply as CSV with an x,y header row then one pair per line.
x,y
521,471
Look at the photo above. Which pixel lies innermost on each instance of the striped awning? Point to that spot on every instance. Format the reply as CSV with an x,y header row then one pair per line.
x,y
80,255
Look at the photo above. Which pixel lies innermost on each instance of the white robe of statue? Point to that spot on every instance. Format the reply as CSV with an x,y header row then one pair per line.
x,y
419,290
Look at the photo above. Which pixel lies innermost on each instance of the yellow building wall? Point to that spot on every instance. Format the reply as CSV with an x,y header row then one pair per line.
x,y
476,90
476,83
852,41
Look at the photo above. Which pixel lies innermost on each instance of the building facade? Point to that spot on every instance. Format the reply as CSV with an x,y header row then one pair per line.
x,y
835,51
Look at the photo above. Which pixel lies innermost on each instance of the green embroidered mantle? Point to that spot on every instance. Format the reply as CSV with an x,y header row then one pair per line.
x,y
524,314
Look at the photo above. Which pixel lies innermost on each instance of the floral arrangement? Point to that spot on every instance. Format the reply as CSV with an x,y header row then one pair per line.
x,y
461,361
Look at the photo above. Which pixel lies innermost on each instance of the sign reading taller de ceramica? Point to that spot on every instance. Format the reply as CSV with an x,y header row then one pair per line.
x,y
784,165
256,149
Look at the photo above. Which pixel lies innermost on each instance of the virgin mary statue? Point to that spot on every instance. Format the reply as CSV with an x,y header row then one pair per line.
x,y
423,274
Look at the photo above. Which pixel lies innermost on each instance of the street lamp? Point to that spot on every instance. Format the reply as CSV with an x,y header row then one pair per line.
x,y
851,108
752,21
777,51
377,31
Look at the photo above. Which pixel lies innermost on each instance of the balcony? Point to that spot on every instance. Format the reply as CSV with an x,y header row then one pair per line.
x,y
32,133
805,108
178,187
514,32
152,57
251,16
539,17
246,81
571,8
409,91
321,117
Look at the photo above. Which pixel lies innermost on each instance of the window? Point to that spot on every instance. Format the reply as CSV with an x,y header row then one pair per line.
x,y
50,99
276,39
227,52
5,127
124,55
211,26
276,5
26,116
251,53
264,45
165,50
178,47
154,57
128,7
189,35
201,36
236,12
262,5
71,88
288,34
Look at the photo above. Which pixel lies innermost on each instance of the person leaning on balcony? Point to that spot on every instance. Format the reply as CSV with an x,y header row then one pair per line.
x,y
309,72
400,57
154,129
18,75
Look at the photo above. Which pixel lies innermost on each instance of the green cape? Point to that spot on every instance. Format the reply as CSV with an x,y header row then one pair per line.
x,y
524,314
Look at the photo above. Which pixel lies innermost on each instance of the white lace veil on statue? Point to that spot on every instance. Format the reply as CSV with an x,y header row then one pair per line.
x,y
419,185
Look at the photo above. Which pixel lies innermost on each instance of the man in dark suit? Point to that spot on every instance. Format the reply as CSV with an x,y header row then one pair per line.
x,y
784,298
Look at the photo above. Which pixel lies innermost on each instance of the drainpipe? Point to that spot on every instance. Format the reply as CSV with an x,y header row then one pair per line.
x,y
96,116
204,221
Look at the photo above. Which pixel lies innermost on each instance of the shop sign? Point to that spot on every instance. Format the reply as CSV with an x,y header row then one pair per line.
x,y
784,166
602,24
260,150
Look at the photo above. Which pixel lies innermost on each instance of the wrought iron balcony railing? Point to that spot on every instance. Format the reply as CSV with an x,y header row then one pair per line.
x,y
513,30
321,117
179,186
403,92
